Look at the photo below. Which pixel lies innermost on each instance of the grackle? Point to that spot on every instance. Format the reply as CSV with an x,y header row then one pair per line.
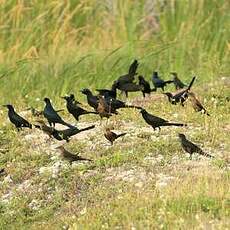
x,y
60,134
198,107
52,116
70,157
16,119
157,122
179,96
146,86
129,87
112,93
74,109
158,82
177,82
111,136
191,148
129,78
91,99
118,104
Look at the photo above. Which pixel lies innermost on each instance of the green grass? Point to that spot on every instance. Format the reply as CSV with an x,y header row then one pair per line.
x,y
144,181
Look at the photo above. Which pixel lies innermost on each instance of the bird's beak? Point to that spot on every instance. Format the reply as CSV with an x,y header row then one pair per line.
x,y
63,97
4,105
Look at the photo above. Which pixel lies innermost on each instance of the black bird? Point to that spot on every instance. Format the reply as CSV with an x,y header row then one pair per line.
x,y
74,109
91,99
146,85
130,77
177,82
158,82
180,96
157,122
66,155
112,93
60,134
129,87
16,119
118,104
52,116
191,148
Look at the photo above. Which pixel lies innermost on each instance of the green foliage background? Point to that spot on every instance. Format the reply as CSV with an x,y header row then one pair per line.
x,y
54,47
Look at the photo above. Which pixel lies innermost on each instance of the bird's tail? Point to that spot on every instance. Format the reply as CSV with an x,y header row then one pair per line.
x,y
133,67
174,124
208,155
120,135
191,83
169,81
87,128
205,112
84,159
30,126
133,106
69,125
205,154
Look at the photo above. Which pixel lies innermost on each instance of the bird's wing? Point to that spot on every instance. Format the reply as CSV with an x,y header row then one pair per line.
x,y
20,119
154,119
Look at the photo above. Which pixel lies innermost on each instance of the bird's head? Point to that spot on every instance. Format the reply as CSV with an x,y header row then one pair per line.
x,y
86,91
155,74
46,100
140,77
181,135
142,111
71,96
8,106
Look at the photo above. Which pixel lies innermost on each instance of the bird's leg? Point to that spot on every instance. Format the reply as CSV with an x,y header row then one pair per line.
x,y
126,94
190,157
50,124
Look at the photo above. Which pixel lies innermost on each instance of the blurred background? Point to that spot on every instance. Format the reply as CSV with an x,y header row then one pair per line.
x,y
50,48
